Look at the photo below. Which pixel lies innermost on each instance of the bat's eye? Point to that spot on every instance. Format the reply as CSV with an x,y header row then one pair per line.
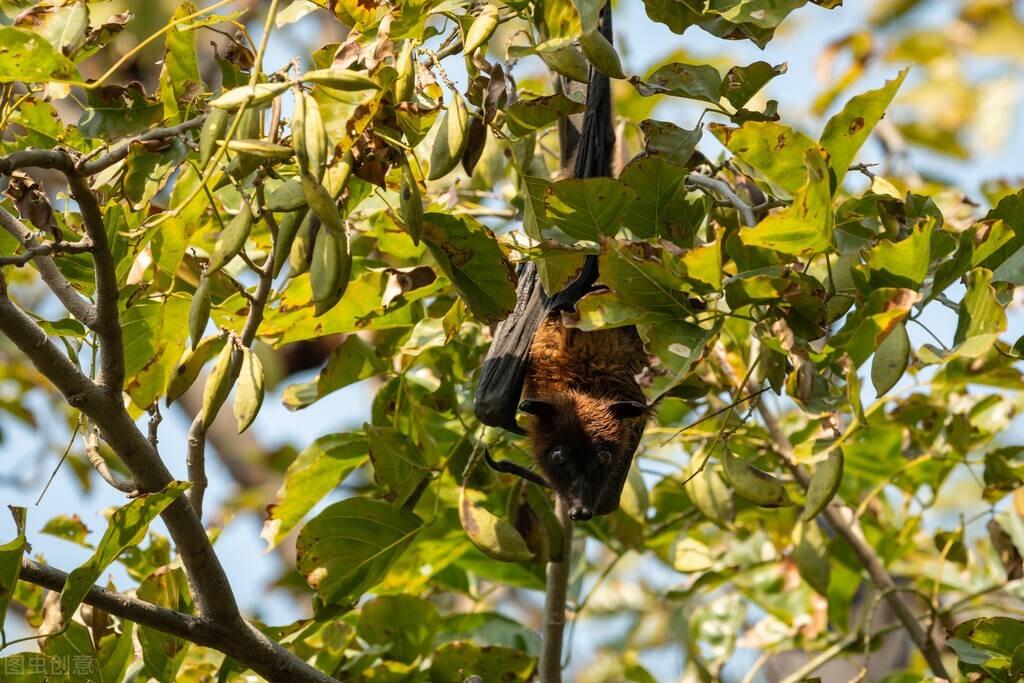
x,y
557,457
604,456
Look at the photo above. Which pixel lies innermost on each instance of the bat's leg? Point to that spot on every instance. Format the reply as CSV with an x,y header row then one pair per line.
x,y
512,468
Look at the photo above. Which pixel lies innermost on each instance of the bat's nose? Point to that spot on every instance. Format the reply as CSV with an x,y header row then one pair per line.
x,y
580,513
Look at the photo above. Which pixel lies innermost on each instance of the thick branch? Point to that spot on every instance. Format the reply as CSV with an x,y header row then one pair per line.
x,y
48,270
245,644
550,665
846,525
107,323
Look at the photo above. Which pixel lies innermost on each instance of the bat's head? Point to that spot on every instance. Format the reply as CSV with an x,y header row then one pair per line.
x,y
585,445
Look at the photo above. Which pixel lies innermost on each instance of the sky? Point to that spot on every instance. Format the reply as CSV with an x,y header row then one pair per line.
x,y
642,44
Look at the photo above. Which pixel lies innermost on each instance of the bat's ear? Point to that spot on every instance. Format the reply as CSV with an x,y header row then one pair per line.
x,y
626,409
538,407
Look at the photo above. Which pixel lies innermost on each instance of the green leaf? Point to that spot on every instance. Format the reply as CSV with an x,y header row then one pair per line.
x,y
490,628
154,334
810,553
127,526
405,624
741,83
471,258
760,13
645,277
459,661
163,654
180,81
351,361
62,25
866,327
901,264
317,471
661,206
773,150
678,346
348,548
72,654
980,311
891,360
29,58
806,225
527,115
587,208
846,131
70,528
495,537
11,553
398,465
692,81
668,140
115,111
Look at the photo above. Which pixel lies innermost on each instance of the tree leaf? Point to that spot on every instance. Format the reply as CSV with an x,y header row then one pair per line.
x,y
530,114
471,258
127,526
660,206
980,311
464,660
154,338
405,624
777,152
901,264
314,473
495,537
587,208
29,58
805,226
846,131
398,466
349,547
353,360
741,83
11,553
163,654
891,360
668,140
692,81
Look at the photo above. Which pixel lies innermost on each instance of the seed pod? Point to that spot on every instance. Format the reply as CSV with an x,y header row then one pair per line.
x,y
890,360
287,197
405,65
188,369
495,537
451,139
756,486
601,54
249,396
301,253
258,96
411,204
341,79
238,168
249,125
214,127
824,485
218,385
309,137
287,229
259,148
320,201
481,30
231,240
329,270
199,311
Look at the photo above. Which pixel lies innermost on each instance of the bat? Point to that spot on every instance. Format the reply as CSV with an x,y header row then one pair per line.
x,y
586,409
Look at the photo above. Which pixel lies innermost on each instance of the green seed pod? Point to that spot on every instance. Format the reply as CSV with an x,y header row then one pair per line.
x,y
260,149
287,197
411,204
321,203
188,369
451,139
341,79
755,485
824,485
481,29
249,396
309,137
214,127
287,229
199,311
231,240
257,96
329,270
302,246
218,385
249,125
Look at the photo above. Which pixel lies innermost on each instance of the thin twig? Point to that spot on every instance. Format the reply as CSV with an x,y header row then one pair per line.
x,y
92,451
550,664
723,189
46,249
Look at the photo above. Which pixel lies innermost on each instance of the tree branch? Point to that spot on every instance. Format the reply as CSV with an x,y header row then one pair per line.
x,y
46,249
69,297
107,322
550,664
722,188
247,645
87,167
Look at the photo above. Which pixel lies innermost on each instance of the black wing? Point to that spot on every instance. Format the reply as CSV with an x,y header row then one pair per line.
x,y
505,366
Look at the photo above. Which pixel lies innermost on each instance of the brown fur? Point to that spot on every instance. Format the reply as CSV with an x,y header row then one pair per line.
x,y
587,383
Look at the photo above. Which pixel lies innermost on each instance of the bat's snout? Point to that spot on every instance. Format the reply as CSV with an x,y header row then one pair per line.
x,y
578,512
